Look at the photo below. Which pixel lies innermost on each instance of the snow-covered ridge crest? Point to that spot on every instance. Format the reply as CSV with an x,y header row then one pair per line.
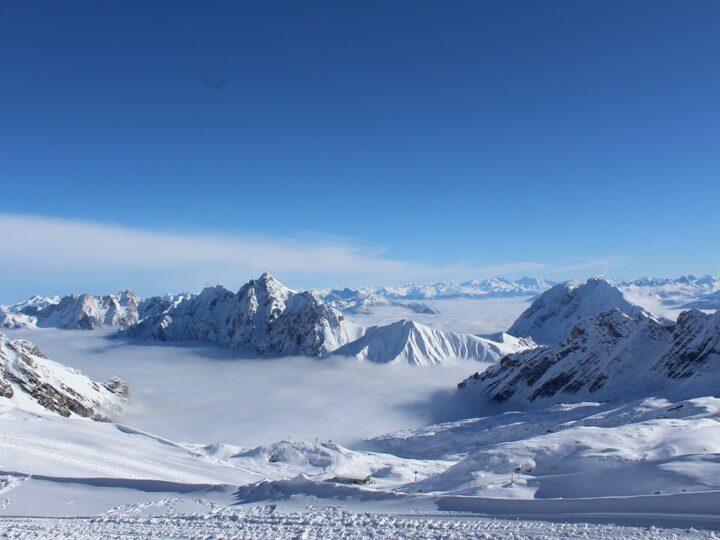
x,y
554,313
264,317
611,356
29,380
416,344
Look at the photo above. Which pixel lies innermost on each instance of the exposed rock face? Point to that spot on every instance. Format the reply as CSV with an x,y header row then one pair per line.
x,y
30,380
553,314
610,356
264,317
416,344
695,346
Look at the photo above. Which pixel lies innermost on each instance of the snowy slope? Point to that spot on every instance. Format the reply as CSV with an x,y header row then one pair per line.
x,y
264,317
28,379
58,448
416,344
553,314
644,447
609,357
636,447
55,447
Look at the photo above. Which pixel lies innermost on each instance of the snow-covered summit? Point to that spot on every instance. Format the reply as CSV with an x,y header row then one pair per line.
x,y
264,317
611,356
416,344
554,313
29,380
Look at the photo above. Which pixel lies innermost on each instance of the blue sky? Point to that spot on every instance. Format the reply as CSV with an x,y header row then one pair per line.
x,y
359,142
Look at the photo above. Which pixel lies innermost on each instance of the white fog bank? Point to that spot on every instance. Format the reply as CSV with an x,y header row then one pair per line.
x,y
204,394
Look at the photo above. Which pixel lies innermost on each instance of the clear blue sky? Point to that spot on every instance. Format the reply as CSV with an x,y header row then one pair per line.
x,y
475,134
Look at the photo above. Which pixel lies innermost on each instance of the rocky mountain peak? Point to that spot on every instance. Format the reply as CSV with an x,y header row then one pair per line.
x,y
264,317
610,356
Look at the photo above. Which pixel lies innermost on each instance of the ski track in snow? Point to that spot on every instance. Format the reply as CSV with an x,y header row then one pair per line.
x,y
267,523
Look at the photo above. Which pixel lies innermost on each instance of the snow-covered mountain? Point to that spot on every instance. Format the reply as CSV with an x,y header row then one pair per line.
x,y
670,292
23,314
83,311
34,304
475,288
552,315
29,380
264,317
669,296
416,344
609,357
353,301
677,289
86,311
709,302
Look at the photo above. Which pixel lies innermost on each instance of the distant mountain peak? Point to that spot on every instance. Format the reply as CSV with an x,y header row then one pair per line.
x,y
553,314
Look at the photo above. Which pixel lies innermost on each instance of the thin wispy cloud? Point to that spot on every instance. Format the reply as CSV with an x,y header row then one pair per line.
x,y
53,254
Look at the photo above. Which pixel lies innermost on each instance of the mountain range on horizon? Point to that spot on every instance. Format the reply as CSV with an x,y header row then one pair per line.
x,y
265,317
